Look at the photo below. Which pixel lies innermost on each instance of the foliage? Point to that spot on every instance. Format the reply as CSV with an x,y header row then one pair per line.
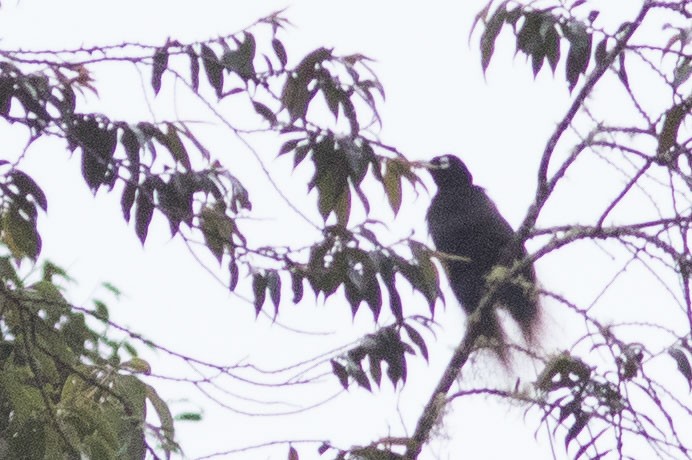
x,y
66,381
65,392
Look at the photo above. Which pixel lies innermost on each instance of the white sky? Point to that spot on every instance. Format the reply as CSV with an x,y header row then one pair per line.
x,y
437,102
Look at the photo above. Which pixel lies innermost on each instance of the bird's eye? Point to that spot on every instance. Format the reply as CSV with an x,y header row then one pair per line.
x,y
444,162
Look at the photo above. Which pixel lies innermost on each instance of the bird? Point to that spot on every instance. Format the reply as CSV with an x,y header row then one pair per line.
x,y
473,237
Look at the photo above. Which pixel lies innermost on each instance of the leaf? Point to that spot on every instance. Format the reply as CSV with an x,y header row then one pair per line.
x,y
293,453
580,422
159,66
265,112
341,373
492,30
418,340
671,124
683,363
176,147
288,146
144,212
259,288
164,414
280,52
274,286
297,285
296,97
20,235
98,145
579,52
375,369
342,207
551,43
392,185
241,59
217,229
213,69
194,68
27,187
233,271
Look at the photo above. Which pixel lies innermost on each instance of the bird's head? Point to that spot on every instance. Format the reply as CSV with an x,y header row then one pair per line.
x,y
449,171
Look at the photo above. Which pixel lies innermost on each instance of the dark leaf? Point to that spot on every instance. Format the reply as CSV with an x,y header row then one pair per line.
x,y
194,67
580,422
145,210
159,66
683,363
128,199
259,288
417,339
176,147
213,69
492,30
671,124
265,112
293,453
274,285
28,187
307,65
324,447
394,299
241,60
360,377
551,44
375,369
98,145
233,272
280,52
297,285
579,52
296,97
288,146
6,92
340,372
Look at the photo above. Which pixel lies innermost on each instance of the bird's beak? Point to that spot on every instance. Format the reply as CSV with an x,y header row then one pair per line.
x,y
424,164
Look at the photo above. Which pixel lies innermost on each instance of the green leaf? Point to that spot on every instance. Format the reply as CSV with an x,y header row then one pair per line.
x,y
392,185
20,234
189,417
176,147
217,229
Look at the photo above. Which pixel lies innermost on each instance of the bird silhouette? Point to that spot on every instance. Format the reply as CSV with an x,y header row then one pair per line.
x,y
466,226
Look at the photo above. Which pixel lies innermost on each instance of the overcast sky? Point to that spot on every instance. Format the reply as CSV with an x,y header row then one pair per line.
x,y
438,101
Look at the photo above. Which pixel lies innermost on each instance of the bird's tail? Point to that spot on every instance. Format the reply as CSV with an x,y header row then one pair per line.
x,y
486,323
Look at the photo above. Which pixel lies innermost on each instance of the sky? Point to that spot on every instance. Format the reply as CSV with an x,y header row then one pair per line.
x,y
437,101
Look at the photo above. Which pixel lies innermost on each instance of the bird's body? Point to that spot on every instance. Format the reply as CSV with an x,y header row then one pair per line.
x,y
465,224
